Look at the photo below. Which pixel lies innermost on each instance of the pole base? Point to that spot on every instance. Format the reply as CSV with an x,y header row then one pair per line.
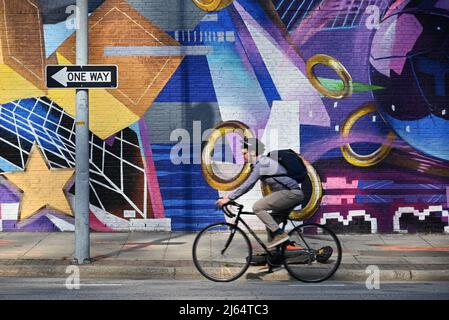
x,y
86,261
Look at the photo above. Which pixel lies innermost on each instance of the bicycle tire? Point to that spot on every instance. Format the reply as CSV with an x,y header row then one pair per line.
x,y
220,239
303,270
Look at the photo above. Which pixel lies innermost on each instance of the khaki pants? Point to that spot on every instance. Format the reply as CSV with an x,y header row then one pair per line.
x,y
278,201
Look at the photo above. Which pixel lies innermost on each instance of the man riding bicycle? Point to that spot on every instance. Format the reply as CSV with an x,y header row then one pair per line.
x,y
286,192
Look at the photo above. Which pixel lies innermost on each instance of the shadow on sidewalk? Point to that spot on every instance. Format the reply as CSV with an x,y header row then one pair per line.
x,y
139,245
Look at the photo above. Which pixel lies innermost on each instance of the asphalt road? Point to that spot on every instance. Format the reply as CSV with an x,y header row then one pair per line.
x,y
92,289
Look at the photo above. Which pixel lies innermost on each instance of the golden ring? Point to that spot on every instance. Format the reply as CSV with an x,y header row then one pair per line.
x,y
338,67
364,160
219,131
212,5
315,199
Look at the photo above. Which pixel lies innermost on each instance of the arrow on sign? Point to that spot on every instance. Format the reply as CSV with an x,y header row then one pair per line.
x,y
63,76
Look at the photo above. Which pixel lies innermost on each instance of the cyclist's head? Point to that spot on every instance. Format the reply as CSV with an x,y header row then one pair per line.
x,y
252,148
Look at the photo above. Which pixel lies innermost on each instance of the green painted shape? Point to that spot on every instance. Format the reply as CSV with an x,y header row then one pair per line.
x,y
336,85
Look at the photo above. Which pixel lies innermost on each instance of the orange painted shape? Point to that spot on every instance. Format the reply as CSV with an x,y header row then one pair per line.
x,y
22,40
141,78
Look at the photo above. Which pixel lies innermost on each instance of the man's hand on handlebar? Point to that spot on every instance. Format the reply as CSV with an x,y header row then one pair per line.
x,y
222,201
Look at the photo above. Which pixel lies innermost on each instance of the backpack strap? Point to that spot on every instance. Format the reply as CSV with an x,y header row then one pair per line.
x,y
263,178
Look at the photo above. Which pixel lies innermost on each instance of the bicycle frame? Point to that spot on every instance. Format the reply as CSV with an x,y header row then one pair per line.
x,y
239,219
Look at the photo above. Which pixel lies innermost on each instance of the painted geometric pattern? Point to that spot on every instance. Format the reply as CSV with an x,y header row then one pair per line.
x,y
349,13
246,63
39,120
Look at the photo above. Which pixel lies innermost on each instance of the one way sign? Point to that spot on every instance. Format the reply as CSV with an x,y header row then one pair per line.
x,y
81,77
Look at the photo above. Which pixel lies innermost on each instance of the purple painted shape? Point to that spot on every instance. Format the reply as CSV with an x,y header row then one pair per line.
x,y
404,43
41,224
396,37
317,149
110,141
8,194
57,214
314,151
382,46
9,225
258,123
442,4
396,7
31,220
150,170
284,43
447,197
37,223
382,211
249,45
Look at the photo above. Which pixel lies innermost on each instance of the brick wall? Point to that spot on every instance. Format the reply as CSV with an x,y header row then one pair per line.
x,y
359,88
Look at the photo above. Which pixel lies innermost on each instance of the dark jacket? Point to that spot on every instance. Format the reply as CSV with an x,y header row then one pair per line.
x,y
265,166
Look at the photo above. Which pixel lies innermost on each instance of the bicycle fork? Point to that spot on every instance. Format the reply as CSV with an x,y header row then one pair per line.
x,y
228,242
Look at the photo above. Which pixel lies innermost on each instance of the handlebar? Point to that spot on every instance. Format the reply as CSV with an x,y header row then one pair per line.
x,y
231,203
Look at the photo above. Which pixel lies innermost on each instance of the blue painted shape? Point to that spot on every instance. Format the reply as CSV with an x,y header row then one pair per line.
x,y
416,134
6,166
437,69
190,83
188,200
256,60
29,119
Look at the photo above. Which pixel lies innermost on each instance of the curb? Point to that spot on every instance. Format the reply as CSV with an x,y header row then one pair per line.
x,y
362,276
190,273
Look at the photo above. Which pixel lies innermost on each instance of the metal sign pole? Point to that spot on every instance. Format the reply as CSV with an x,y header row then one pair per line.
x,y
82,241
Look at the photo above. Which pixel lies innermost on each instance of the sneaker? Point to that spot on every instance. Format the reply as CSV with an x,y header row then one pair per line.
x,y
277,240
324,254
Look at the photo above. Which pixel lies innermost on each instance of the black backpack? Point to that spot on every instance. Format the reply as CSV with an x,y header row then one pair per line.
x,y
289,159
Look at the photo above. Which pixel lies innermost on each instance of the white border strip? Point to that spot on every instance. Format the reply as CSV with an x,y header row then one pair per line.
x,y
352,213
421,216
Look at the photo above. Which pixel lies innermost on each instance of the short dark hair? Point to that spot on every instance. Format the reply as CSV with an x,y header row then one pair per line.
x,y
254,144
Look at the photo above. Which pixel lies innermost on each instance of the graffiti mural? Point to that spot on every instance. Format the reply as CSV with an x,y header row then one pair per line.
x,y
358,88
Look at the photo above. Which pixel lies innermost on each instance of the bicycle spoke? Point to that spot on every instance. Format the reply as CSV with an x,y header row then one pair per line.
x,y
321,258
221,252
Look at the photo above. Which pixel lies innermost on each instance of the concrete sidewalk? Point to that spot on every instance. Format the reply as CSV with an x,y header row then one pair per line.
x,y
168,255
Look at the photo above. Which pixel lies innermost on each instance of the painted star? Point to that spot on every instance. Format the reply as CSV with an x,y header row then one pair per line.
x,y
41,186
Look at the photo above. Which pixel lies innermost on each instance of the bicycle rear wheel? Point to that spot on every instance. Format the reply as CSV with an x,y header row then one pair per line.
x,y
222,252
314,253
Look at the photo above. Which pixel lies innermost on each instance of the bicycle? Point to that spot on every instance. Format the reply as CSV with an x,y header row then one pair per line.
x,y
222,252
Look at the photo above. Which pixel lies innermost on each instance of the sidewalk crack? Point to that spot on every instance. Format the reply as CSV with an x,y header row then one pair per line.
x,y
166,246
383,240
123,245
35,245
425,241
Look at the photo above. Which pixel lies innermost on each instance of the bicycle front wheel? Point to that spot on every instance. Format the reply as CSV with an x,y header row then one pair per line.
x,y
222,252
314,253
